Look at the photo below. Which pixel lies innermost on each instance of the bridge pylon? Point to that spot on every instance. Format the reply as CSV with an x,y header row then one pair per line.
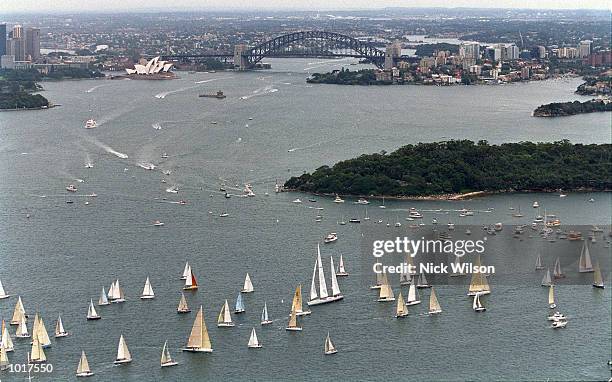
x,y
240,59
392,53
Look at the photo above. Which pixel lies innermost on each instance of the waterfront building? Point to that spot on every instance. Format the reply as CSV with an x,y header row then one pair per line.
x,y
154,66
32,44
2,39
470,50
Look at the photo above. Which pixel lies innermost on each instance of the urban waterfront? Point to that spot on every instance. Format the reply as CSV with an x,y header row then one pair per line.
x,y
271,126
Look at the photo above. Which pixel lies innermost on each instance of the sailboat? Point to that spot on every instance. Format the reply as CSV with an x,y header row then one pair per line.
x,y
225,316
379,281
190,282
401,310
297,302
323,297
479,283
83,369
40,332
422,282
458,270
115,293
434,305
253,341
37,354
538,265
293,323
3,294
546,280
198,341
166,359
385,293
413,294
123,353
22,329
4,361
405,274
341,270
551,297
147,291
366,217
248,285
265,320
558,273
585,264
239,308
186,271
598,281
59,328
91,312
383,204
18,312
6,340
103,300
182,306
329,346
477,305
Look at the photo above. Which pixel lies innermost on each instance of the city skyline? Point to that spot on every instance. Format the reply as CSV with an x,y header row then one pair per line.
x,y
34,6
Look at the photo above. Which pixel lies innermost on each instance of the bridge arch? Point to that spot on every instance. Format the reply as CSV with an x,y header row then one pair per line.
x,y
275,46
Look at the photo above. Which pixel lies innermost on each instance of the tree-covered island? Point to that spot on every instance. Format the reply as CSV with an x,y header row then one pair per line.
x,y
561,109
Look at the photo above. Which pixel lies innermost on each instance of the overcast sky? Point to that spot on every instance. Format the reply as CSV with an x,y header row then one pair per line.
x,y
176,5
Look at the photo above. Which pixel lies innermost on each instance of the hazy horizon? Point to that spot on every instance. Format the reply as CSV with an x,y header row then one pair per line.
x,y
76,6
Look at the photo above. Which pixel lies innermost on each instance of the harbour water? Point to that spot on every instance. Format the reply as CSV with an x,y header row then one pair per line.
x,y
272,125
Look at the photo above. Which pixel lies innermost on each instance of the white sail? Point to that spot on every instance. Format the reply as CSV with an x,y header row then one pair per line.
x,y
551,295
123,353
253,341
546,280
248,285
313,285
83,368
334,280
18,312
199,341
103,300
597,277
111,291
6,341
4,361
2,292
434,305
91,312
22,329
182,306
585,264
40,331
59,327
557,271
166,358
401,308
37,354
186,271
385,293
329,346
341,266
412,293
322,284
264,313
225,316
539,262
476,304
147,291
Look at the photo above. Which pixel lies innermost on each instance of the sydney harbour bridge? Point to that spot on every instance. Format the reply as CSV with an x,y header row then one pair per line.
x,y
313,43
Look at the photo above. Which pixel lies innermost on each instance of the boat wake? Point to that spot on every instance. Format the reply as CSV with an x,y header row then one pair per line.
x,y
163,95
94,88
261,91
316,65
212,79
108,149
311,146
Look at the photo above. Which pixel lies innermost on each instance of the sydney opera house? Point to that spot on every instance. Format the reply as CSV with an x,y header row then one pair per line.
x,y
155,68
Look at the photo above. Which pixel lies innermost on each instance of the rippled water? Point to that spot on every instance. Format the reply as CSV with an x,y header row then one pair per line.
x,y
63,254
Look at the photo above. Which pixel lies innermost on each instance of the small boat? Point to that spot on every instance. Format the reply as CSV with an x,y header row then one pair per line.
x,y
91,124
366,217
37,354
298,200
3,293
248,285
546,280
538,265
323,296
383,204
598,281
182,306
329,346
18,312
451,226
434,305
362,201
166,360
4,360
164,156
293,326
401,309
498,227
88,165
558,324
225,317
22,329
265,320
338,199
422,282
585,264
186,271
385,293
354,220
414,214
296,304
190,282
103,300
341,270
558,273
71,188
478,283
330,238
239,308
172,189
477,305
557,316
147,291
123,353
535,204
413,294
83,369
115,293
253,341
59,328
551,297
91,312
147,166
5,338
199,341
158,223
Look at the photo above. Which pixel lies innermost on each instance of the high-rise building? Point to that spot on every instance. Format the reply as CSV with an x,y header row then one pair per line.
x,y
512,52
584,48
16,47
2,39
470,50
17,31
32,43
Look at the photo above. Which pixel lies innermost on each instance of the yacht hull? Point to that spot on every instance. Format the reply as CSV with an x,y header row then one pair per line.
x,y
326,300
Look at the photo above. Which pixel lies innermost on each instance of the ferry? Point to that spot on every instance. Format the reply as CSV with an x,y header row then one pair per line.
x,y
91,124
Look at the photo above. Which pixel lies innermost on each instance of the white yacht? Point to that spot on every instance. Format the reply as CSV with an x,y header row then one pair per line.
x,y
536,204
71,188
164,156
298,200
331,238
147,166
557,317
415,214
362,201
338,199
91,124
88,165
323,296
158,223
558,324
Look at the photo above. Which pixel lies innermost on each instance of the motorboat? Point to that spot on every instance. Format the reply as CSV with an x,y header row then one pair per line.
x,y
535,204
71,188
298,200
147,166
164,156
158,223
557,317
91,124
362,201
338,199
558,324
88,165
331,238
354,220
